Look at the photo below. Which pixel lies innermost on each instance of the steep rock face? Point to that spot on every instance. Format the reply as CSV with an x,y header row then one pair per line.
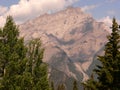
x,y
71,40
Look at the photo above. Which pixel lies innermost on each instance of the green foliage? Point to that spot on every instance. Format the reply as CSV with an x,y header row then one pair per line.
x,y
52,86
75,86
61,87
21,67
13,55
35,67
108,73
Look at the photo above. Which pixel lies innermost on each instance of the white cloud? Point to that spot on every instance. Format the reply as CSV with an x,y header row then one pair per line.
x,y
107,20
3,10
87,8
2,21
28,9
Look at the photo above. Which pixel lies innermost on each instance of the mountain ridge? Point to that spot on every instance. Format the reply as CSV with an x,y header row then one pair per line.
x,y
71,39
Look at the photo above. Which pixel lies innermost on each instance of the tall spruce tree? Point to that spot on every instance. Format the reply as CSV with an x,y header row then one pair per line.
x,y
35,75
12,56
52,86
75,86
61,87
109,72
21,67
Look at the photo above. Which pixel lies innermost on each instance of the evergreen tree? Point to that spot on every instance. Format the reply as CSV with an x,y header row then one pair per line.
x,y
52,86
109,72
12,56
75,86
90,84
21,67
61,87
35,75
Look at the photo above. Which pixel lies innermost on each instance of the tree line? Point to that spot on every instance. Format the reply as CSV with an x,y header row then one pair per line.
x,y
22,68
108,73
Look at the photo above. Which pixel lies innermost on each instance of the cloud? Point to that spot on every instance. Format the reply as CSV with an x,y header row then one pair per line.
x,y
3,10
107,20
2,21
28,9
87,8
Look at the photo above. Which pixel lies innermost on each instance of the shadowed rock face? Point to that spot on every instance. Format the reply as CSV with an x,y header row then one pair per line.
x,y
71,39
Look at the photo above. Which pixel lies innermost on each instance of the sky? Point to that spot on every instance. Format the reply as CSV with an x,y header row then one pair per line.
x,y
23,10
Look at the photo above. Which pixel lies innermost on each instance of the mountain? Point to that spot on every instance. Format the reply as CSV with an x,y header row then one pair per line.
x,y
72,39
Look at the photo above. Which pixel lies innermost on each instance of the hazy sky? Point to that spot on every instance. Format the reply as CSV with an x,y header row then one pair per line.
x,y
22,10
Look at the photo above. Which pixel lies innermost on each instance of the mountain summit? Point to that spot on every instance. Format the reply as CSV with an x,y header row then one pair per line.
x,y
71,39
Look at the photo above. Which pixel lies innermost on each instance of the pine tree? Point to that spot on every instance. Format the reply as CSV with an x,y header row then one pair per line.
x,y
35,75
90,84
21,67
108,73
12,56
52,86
75,86
61,87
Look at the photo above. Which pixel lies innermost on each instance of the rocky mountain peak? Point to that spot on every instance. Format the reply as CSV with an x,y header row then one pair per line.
x,y
71,39
70,10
